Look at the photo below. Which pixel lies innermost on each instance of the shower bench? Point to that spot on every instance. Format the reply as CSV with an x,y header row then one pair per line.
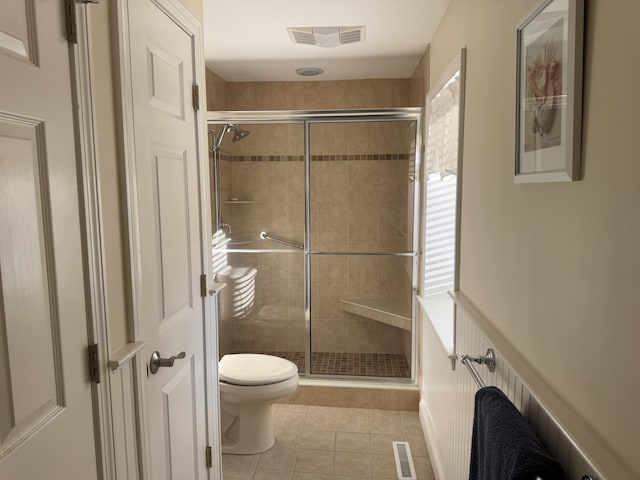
x,y
396,313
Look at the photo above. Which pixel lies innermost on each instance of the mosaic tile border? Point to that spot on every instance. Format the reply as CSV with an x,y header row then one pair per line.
x,y
317,158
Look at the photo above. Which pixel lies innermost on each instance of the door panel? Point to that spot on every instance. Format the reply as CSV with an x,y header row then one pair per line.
x,y
18,31
169,230
172,207
261,180
32,393
361,214
362,186
165,82
46,419
180,409
361,315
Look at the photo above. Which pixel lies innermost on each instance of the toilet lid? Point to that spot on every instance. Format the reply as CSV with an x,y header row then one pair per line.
x,y
255,369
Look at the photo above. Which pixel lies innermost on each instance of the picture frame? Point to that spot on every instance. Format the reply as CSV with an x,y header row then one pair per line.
x,y
549,45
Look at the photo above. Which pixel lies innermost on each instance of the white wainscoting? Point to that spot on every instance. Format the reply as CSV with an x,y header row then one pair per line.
x,y
124,412
447,403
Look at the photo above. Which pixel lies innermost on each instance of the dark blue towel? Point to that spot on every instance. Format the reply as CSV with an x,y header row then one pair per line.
x,y
503,446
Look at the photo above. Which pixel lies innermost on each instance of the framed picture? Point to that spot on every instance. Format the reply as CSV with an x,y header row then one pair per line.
x,y
549,92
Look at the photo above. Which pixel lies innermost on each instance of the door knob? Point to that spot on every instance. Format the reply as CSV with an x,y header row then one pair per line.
x,y
157,361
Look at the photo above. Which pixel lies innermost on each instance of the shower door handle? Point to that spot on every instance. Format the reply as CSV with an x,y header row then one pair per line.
x,y
156,361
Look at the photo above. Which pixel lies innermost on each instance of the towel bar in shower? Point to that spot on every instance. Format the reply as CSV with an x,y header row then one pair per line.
x,y
283,241
488,359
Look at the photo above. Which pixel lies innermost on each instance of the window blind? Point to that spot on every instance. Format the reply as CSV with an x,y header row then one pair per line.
x,y
440,234
440,196
442,133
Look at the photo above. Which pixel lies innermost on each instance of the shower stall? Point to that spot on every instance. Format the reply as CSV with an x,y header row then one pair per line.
x,y
315,217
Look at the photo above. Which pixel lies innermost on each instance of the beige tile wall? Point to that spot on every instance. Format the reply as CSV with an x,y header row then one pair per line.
x,y
318,95
336,277
383,399
326,139
357,205
216,92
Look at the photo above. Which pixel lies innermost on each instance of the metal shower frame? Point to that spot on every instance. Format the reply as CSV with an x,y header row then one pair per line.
x,y
308,118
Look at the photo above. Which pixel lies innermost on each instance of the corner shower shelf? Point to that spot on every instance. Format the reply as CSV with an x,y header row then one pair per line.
x,y
235,202
396,313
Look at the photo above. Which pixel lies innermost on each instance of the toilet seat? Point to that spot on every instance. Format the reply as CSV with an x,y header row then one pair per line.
x,y
255,369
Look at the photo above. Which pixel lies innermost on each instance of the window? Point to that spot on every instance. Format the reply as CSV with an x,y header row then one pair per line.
x,y
443,160
440,234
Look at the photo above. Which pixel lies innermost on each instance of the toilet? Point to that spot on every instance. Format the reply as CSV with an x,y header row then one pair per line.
x,y
249,384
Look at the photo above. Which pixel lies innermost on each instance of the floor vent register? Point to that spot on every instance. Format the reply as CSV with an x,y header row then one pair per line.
x,y
404,461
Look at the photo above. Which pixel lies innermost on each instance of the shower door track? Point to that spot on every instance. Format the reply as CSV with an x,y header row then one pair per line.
x,y
307,118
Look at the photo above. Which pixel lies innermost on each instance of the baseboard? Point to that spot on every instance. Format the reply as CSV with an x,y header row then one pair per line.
x,y
428,429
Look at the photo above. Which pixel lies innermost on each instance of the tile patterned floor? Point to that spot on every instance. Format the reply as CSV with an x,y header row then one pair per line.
x,y
360,364
330,443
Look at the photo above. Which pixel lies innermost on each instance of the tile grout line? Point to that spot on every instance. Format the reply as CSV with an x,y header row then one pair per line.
x,y
405,420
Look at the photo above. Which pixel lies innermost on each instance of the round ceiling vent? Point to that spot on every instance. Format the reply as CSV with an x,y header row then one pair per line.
x,y
309,71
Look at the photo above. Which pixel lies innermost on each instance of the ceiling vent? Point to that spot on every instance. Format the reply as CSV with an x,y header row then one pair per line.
x,y
327,37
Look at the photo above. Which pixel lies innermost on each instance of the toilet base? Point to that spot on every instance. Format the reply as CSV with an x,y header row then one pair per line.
x,y
246,429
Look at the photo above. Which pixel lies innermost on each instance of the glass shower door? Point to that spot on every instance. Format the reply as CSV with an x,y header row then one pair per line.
x,y
261,197
362,247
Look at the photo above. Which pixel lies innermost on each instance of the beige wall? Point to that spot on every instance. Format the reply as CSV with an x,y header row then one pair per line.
x,y
194,7
419,81
556,267
104,33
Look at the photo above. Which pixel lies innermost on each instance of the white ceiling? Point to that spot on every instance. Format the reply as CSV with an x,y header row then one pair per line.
x,y
247,40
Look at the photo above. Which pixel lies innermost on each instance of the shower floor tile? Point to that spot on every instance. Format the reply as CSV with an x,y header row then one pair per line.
x,y
353,364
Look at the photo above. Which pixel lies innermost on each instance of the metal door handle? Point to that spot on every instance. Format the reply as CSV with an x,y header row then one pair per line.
x,y
157,361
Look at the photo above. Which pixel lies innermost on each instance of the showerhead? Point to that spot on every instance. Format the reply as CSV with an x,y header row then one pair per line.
x,y
238,134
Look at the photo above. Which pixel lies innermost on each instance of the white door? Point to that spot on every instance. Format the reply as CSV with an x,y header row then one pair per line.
x,y
46,422
170,256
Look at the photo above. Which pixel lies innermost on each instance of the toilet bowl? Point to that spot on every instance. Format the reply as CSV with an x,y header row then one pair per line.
x,y
249,385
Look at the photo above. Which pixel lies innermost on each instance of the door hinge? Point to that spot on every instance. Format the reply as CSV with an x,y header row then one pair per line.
x,y
94,364
209,457
196,97
72,24
203,285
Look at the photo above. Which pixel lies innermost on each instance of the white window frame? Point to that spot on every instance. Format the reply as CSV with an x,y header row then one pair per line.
x,y
434,298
